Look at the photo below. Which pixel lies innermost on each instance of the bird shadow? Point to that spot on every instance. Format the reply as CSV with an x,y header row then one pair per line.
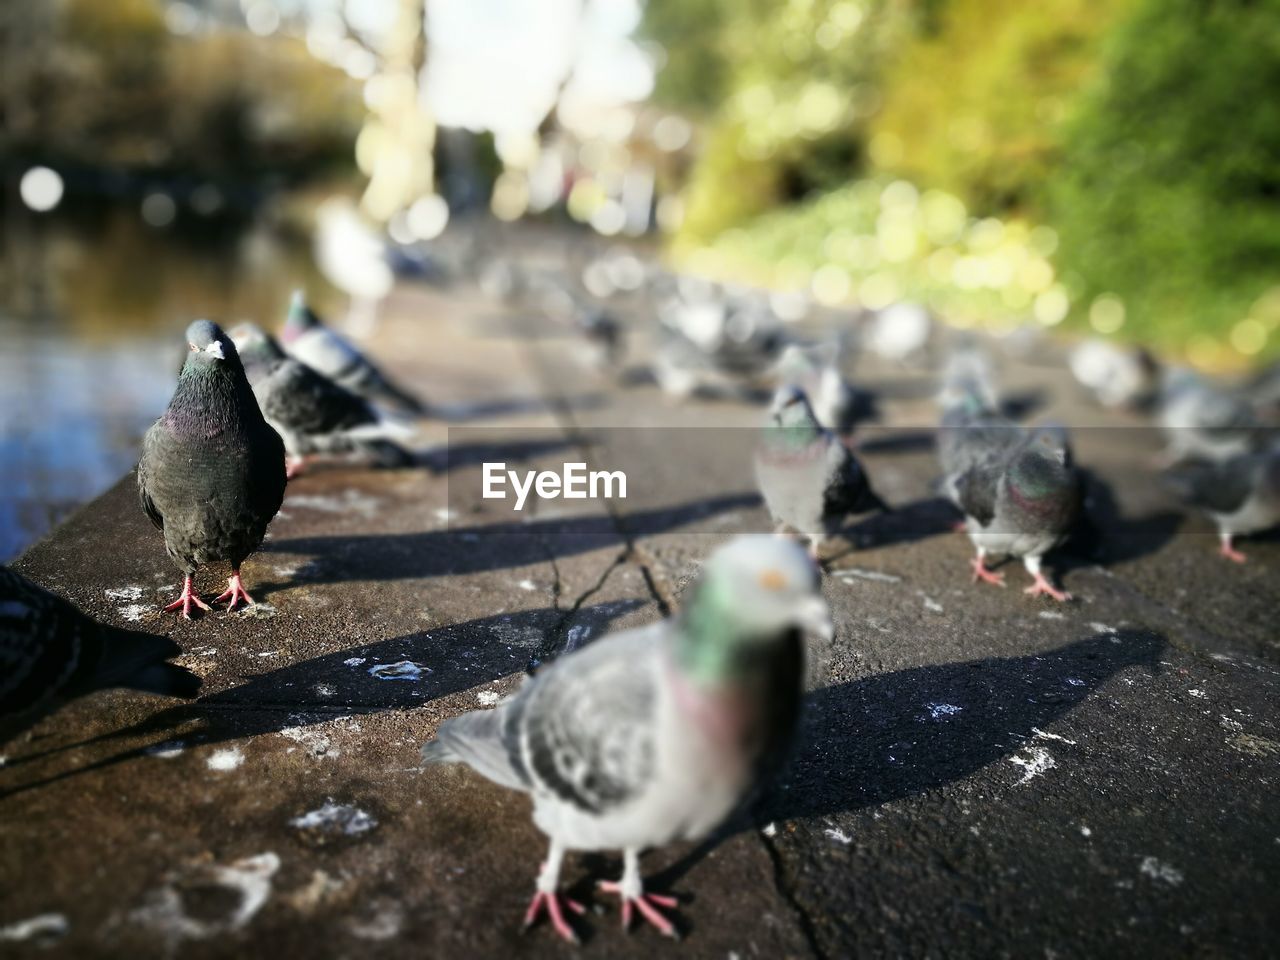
x,y
1021,404
907,523
463,550
908,441
346,683
895,735
514,406
1103,535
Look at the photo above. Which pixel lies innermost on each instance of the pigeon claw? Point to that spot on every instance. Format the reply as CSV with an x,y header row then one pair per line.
x,y
186,600
980,572
646,904
1231,553
551,901
234,593
1044,587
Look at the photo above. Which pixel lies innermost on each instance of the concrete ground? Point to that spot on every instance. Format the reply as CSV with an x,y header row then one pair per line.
x,y
981,773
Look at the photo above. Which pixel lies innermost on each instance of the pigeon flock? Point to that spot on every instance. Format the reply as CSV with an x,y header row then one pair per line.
x,y
656,734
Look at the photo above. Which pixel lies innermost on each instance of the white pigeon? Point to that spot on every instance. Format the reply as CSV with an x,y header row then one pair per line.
x,y
353,257
900,332
1118,377
656,734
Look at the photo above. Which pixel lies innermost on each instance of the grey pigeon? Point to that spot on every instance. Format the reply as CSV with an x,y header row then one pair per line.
x,y
810,481
1202,420
1241,494
1020,499
837,404
972,430
51,653
312,414
657,734
212,472
322,349
1119,377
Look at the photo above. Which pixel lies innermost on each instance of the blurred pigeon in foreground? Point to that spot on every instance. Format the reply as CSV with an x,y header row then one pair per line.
x,y
323,350
312,414
1241,495
51,653
212,472
1203,420
1118,377
837,404
810,480
1020,499
654,735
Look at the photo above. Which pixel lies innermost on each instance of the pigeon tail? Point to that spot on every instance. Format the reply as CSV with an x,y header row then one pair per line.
x,y
166,679
434,751
386,453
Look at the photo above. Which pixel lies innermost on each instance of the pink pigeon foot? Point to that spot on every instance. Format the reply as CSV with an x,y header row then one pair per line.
x,y
647,904
980,572
1230,552
959,526
1043,586
234,593
294,466
552,902
186,600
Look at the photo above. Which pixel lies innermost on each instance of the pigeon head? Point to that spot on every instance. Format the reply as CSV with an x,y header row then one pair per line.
x,y
300,319
754,593
255,345
208,344
790,407
1041,476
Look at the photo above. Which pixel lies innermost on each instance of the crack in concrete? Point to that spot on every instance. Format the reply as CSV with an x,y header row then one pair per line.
x,y
783,888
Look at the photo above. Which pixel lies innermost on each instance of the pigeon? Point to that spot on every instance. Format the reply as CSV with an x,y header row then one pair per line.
x,y
312,414
1241,494
51,653
900,332
1120,378
972,429
1021,496
212,472
656,734
1202,420
353,257
810,480
837,404
309,340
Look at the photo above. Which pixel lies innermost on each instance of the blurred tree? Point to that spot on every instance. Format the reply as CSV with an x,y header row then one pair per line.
x,y
1168,193
974,101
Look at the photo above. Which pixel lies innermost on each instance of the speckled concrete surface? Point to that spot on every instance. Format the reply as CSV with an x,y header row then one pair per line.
x,y
981,774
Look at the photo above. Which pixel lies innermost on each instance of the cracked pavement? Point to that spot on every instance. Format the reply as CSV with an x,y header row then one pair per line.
x,y
980,773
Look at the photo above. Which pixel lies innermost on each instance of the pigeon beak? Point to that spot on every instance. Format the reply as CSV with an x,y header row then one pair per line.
x,y
814,616
215,350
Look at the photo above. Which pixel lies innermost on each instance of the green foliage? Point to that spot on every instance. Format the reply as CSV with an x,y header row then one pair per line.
x,y
1168,193
974,101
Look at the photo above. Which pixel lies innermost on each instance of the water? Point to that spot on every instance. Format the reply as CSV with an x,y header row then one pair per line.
x,y
92,312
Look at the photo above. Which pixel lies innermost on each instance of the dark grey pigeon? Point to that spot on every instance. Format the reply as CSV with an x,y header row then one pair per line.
x,y
1241,495
1021,501
312,414
657,734
212,472
810,480
1204,420
51,653
307,338
972,430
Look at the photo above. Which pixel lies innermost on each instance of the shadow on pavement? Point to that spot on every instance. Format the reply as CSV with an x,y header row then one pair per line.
x,y
498,546
448,660
901,734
